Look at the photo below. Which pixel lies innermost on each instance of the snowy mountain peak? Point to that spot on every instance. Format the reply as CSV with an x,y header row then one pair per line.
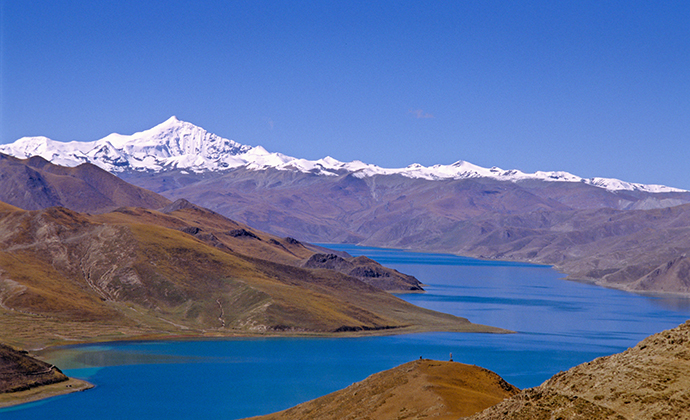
x,y
175,144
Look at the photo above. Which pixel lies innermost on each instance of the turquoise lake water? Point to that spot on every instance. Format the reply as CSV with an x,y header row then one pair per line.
x,y
559,324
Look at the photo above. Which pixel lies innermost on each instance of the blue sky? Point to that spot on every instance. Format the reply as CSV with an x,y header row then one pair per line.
x,y
593,88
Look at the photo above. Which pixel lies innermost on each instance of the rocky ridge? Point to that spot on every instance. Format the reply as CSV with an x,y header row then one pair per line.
x,y
648,381
367,270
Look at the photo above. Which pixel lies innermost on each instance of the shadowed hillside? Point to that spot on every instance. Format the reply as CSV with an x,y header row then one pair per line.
x,y
35,183
19,371
24,378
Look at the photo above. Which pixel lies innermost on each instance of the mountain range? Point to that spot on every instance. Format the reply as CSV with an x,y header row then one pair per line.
x,y
175,144
610,232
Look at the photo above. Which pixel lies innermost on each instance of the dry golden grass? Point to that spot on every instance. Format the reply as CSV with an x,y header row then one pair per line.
x,y
422,389
66,277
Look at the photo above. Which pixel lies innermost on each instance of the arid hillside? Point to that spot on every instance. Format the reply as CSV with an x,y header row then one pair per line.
x,y
422,389
648,381
143,273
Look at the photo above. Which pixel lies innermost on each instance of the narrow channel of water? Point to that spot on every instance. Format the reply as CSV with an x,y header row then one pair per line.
x,y
559,324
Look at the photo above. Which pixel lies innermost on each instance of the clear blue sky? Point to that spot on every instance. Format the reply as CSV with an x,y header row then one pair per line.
x,y
593,88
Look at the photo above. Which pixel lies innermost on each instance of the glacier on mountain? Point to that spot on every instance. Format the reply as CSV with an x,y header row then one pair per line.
x,y
176,144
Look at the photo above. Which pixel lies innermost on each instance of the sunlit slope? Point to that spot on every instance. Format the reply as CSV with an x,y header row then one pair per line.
x,y
228,235
70,276
648,381
414,390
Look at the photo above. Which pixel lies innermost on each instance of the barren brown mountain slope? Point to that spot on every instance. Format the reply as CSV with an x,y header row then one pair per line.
x,y
136,272
648,381
225,234
422,389
35,183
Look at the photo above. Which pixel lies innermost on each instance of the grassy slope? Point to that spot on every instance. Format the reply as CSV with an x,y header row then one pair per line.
x,y
134,273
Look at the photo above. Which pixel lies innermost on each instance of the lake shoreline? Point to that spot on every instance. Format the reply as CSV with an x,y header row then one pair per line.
x,y
474,329
12,399
577,278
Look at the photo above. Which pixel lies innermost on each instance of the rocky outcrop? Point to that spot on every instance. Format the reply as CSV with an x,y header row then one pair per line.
x,y
648,381
367,270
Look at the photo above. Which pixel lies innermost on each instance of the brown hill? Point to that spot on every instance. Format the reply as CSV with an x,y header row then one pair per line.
x,y
414,390
136,272
648,381
35,183
226,234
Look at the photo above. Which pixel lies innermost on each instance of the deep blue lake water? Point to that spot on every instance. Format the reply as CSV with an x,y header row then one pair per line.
x,y
559,324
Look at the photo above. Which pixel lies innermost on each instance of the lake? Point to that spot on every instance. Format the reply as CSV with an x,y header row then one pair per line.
x,y
559,324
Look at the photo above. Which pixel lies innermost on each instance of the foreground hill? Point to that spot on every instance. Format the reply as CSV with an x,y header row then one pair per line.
x,y
137,272
35,183
648,381
414,390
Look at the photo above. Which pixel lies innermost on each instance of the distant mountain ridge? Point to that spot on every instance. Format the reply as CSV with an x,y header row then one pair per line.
x,y
176,144
616,234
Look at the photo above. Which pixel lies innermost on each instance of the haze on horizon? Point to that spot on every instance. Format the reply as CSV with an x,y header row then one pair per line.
x,y
593,89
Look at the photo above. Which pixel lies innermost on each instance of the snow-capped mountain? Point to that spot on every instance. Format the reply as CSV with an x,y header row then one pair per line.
x,y
176,144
